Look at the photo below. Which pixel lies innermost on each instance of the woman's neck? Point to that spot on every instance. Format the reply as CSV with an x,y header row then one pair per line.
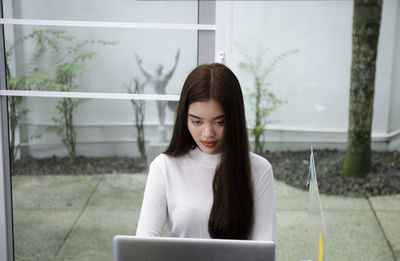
x,y
206,159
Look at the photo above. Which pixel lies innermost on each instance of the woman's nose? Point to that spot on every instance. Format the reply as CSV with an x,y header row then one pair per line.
x,y
208,131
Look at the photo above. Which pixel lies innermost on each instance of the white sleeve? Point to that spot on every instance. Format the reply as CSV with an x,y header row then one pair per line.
x,y
154,206
264,207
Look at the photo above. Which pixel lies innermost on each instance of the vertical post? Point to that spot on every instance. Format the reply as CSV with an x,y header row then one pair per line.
x,y
6,229
206,39
223,34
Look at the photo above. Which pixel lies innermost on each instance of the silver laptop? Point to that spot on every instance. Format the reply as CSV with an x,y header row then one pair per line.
x,y
132,248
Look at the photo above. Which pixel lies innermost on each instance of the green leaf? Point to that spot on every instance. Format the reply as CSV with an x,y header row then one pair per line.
x,y
262,100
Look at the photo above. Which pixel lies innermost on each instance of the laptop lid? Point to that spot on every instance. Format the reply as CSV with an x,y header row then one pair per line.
x,y
132,248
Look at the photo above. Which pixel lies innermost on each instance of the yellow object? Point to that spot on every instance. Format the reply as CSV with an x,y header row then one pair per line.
x,y
321,248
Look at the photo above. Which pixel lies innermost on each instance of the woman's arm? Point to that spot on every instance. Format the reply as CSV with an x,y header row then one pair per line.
x,y
154,206
264,205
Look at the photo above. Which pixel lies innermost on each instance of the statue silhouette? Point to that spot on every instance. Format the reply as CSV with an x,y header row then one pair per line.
x,y
159,82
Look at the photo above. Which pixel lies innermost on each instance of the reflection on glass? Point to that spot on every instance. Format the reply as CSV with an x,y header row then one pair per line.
x,y
103,10
316,223
70,207
98,60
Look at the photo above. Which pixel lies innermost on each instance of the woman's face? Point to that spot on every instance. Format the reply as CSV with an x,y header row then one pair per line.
x,y
206,125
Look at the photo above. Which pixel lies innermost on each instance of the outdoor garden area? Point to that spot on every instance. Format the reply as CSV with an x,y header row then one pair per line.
x,y
92,103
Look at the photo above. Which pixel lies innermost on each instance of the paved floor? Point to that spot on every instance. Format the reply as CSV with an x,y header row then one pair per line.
x,y
76,217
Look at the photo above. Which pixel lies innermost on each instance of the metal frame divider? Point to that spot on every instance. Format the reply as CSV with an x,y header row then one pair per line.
x,y
206,39
6,239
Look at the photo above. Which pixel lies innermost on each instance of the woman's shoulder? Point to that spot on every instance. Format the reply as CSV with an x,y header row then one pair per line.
x,y
260,167
257,161
164,159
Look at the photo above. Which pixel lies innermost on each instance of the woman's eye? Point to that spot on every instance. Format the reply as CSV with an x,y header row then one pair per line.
x,y
220,123
196,122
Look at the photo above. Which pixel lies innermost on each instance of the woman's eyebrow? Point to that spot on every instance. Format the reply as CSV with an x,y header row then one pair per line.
x,y
218,117
194,116
197,117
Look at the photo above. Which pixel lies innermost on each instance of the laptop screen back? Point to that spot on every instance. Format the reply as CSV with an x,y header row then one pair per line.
x,y
132,248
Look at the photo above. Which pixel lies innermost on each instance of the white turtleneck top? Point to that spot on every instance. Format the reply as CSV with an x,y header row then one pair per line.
x,y
179,194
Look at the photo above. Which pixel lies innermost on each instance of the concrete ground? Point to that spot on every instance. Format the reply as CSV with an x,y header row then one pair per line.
x,y
76,218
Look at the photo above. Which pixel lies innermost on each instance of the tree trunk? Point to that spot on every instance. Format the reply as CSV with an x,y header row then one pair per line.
x,y
366,24
139,106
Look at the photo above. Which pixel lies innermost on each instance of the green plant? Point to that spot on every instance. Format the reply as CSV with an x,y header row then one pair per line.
x,y
69,66
262,100
134,86
30,81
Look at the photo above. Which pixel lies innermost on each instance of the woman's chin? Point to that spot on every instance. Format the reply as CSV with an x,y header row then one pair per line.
x,y
210,150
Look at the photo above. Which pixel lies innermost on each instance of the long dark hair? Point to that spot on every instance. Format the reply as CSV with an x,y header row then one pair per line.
x,y
232,212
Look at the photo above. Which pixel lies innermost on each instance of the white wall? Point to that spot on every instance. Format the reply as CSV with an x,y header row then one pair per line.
x,y
314,82
307,80
104,10
394,117
394,122
113,67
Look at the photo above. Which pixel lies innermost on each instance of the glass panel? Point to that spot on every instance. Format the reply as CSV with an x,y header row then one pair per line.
x,y
314,81
99,60
304,49
71,210
104,10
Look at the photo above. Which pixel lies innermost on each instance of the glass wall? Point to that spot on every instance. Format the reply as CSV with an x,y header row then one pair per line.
x,y
309,46
304,49
101,60
321,32
71,208
78,165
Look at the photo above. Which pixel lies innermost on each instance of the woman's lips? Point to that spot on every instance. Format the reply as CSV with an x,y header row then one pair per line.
x,y
209,144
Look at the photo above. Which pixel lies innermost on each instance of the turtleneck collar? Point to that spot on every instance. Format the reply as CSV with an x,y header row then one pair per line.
x,y
208,160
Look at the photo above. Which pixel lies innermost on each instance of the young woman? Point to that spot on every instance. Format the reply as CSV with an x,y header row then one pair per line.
x,y
207,184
